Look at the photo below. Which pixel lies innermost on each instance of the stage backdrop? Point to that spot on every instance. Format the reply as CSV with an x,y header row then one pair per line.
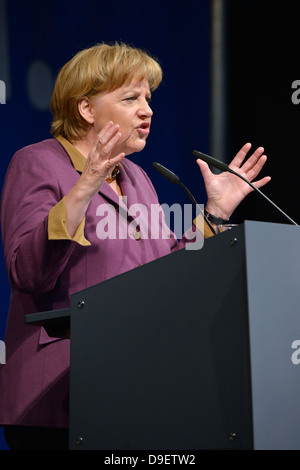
x,y
37,38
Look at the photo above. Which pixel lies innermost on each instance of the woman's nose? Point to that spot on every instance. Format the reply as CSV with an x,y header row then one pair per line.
x,y
145,110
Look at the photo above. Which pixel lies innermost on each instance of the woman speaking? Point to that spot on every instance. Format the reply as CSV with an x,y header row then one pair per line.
x,y
49,214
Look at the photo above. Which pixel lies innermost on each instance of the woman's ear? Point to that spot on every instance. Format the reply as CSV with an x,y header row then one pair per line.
x,y
86,110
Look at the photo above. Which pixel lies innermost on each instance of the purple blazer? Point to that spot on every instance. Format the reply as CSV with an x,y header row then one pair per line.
x,y
43,274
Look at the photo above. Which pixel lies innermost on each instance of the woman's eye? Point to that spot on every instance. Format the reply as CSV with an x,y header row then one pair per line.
x,y
130,98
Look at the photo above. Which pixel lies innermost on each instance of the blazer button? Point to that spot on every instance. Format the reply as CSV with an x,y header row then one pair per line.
x,y
137,235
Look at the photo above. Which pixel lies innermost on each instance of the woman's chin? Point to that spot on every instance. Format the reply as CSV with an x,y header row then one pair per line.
x,y
137,147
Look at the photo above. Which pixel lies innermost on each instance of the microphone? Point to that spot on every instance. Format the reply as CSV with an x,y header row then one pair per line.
x,y
166,173
224,167
175,180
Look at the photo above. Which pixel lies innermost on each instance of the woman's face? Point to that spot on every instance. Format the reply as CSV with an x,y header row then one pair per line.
x,y
129,107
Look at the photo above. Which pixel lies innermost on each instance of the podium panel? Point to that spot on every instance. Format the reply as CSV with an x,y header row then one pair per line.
x,y
273,274
160,355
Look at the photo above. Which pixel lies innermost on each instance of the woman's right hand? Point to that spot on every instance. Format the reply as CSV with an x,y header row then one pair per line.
x,y
99,164
101,160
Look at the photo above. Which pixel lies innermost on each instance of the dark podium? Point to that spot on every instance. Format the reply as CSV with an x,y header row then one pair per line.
x,y
196,350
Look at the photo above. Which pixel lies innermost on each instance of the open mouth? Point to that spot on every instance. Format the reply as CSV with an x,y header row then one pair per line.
x,y
144,128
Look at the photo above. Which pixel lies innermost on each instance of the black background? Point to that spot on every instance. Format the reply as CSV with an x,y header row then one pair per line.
x,y
263,61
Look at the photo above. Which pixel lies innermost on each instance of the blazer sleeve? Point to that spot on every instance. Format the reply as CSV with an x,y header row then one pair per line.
x,y
57,225
31,190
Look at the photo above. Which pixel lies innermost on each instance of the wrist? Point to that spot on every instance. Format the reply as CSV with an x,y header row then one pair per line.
x,y
215,219
214,209
84,190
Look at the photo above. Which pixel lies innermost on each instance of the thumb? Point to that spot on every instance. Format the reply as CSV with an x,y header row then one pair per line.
x,y
204,168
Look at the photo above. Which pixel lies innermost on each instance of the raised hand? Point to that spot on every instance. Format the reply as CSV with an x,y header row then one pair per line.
x,y
100,161
225,191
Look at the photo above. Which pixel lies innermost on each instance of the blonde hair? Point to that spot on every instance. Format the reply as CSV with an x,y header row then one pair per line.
x,y
98,69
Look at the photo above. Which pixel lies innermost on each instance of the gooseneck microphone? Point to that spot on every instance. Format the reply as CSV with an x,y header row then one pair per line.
x,y
175,180
224,167
167,173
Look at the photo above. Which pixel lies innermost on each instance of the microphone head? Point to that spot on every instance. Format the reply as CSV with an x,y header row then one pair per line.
x,y
211,161
166,173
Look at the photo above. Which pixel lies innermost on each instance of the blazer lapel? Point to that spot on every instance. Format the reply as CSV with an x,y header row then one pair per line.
x,y
129,198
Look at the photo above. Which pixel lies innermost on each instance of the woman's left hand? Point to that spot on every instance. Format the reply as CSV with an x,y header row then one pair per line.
x,y
225,191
